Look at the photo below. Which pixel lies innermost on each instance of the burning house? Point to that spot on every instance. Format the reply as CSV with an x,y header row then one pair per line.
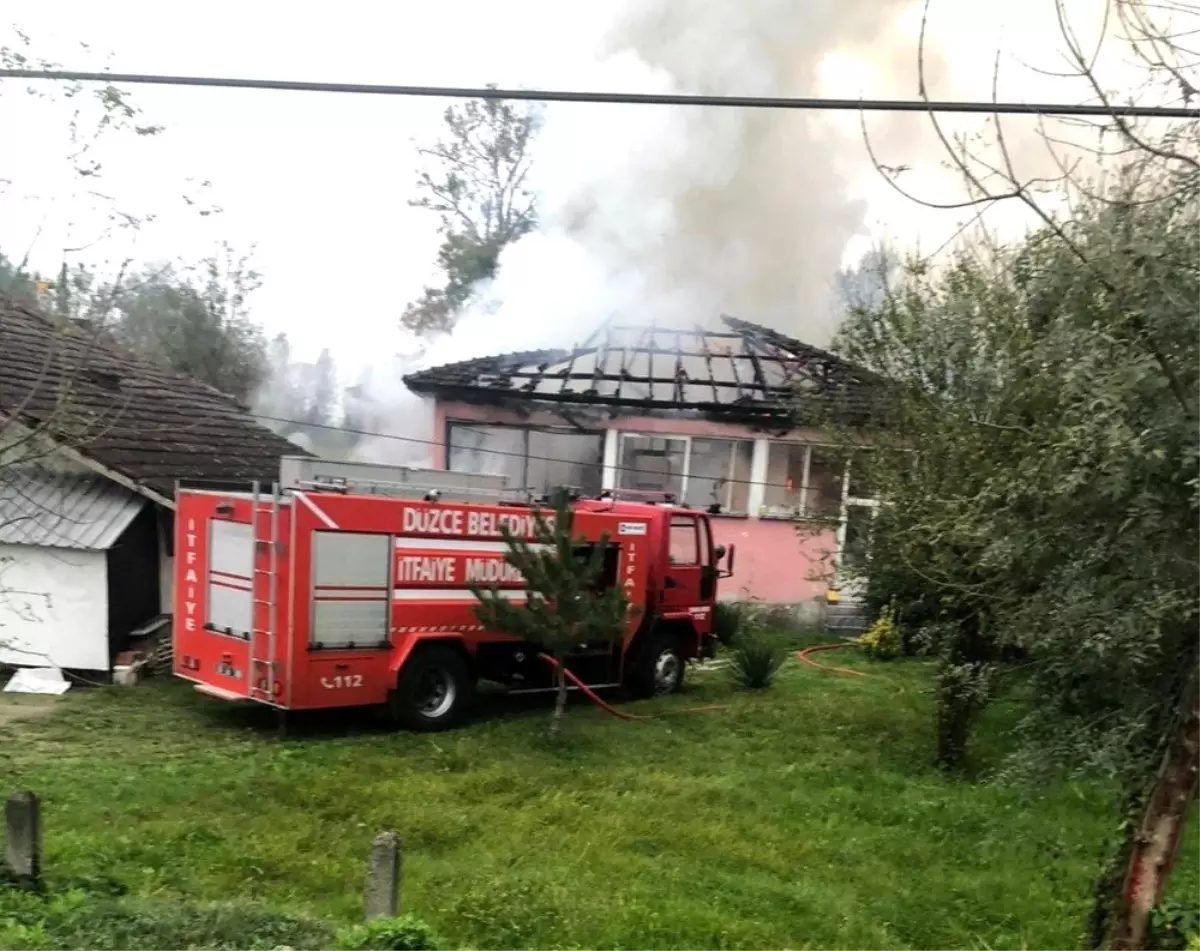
x,y
733,421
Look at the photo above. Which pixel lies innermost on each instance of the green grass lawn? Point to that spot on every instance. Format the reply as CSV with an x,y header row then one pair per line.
x,y
804,816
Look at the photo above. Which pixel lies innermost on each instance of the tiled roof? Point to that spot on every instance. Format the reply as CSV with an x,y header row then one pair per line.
x,y
747,371
150,425
63,510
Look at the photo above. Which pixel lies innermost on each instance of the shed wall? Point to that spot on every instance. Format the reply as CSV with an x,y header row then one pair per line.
x,y
53,607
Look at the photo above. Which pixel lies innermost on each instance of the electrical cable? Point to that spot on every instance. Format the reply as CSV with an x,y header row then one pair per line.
x,y
617,98
520,455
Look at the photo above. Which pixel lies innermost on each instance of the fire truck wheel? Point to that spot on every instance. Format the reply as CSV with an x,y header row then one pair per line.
x,y
433,690
659,666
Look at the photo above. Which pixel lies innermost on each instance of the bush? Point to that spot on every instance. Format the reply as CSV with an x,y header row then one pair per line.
x,y
77,919
727,621
1174,926
756,657
405,933
882,639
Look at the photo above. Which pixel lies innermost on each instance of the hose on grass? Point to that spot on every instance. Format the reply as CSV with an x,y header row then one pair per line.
x,y
609,708
803,657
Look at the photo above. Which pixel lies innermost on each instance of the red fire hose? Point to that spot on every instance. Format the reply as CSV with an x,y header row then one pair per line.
x,y
591,695
804,658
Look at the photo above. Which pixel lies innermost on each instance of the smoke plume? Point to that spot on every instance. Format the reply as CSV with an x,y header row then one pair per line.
x,y
673,216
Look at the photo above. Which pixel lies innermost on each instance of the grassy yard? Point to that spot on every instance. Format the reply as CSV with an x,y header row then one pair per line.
x,y
805,816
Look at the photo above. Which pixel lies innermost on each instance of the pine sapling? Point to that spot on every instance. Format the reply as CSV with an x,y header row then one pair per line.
x,y
565,606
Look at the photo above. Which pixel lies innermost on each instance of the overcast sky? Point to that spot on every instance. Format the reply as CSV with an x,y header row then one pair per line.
x,y
320,183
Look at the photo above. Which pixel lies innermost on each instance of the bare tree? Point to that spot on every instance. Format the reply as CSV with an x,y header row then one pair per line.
x,y
40,408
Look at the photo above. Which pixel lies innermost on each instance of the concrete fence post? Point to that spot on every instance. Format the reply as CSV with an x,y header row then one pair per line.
x,y
384,871
23,838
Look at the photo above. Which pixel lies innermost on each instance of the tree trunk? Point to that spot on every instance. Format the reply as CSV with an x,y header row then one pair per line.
x,y
1156,840
560,701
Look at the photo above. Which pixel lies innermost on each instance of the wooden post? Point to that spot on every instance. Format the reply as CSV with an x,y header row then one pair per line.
x,y
384,871
23,852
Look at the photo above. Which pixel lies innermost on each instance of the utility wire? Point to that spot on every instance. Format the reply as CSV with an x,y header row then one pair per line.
x,y
520,455
619,98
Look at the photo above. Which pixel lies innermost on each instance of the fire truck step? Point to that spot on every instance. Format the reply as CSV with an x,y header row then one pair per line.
x,y
219,692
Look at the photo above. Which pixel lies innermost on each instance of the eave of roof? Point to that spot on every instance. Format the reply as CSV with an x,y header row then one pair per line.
x,y
51,509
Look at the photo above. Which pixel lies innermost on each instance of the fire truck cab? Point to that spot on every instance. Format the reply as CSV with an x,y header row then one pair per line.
x,y
347,585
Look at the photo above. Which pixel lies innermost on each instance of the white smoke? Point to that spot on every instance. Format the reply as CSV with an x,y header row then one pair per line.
x,y
674,216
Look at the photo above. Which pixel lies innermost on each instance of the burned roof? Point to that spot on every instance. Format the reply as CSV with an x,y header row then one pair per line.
x,y
747,372
150,425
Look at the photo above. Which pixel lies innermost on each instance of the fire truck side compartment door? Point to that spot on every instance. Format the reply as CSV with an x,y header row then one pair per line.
x,y
351,590
230,576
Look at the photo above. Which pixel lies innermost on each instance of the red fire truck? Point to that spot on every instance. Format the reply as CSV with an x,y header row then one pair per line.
x,y
336,589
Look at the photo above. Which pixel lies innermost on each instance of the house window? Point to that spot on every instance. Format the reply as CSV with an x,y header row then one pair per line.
x,y
488,450
563,458
803,479
823,496
860,486
700,472
718,471
536,459
652,463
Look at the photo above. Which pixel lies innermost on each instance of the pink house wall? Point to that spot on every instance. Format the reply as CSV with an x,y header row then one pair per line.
x,y
774,562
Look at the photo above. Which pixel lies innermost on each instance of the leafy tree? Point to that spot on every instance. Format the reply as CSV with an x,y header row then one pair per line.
x,y
322,391
566,606
865,284
1049,390
1051,512
195,321
16,282
476,183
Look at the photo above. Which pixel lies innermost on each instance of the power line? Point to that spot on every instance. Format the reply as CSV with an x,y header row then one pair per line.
x,y
521,455
617,98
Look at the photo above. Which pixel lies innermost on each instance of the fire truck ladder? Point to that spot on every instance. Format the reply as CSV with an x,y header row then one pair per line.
x,y
271,574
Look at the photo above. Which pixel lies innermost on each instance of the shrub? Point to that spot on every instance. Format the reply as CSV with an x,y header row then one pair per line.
x,y
1174,926
405,933
77,919
756,657
882,639
727,621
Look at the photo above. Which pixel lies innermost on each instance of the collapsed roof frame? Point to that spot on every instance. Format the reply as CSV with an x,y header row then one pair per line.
x,y
748,374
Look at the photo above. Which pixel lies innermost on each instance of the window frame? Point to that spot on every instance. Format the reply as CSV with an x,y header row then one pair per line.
x,y
726,501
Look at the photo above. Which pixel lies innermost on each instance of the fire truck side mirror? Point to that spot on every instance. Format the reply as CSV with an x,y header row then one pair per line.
x,y
727,554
